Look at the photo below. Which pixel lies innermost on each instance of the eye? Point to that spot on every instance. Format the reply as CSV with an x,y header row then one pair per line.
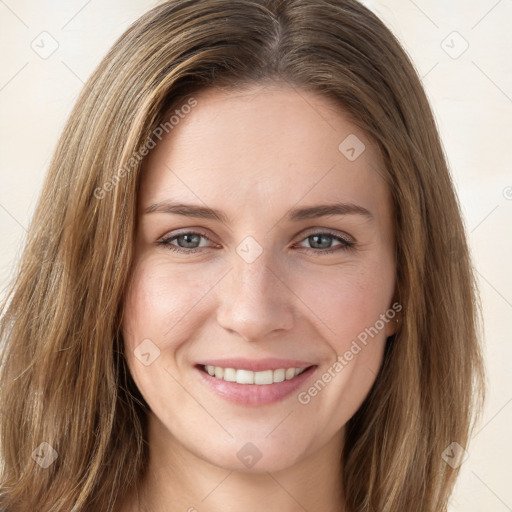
x,y
322,243
186,242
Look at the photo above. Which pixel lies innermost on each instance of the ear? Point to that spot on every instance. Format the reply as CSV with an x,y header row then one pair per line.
x,y
394,323
392,326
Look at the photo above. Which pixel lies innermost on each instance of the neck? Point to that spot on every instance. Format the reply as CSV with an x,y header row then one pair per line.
x,y
179,477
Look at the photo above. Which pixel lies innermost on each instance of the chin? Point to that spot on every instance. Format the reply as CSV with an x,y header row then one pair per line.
x,y
253,457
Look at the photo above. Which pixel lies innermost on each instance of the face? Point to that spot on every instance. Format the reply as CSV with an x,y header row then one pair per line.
x,y
251,278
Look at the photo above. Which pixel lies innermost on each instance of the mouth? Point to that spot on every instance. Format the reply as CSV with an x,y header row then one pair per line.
x,y
254,388
248,377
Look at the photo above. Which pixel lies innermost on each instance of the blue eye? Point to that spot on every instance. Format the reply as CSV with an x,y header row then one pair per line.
x,y
187,242
320,239
187,239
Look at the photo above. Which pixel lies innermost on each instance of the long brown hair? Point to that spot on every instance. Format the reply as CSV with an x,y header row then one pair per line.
x,y
63,378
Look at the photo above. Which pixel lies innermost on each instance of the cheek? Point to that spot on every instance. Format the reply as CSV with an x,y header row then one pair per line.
x,y
351,309
160,308
349,302
353,306
161,301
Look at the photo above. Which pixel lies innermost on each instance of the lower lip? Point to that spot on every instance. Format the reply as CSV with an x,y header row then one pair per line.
x,y
255,394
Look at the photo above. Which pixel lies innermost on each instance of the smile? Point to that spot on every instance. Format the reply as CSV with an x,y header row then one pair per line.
x,y
264,377
254,388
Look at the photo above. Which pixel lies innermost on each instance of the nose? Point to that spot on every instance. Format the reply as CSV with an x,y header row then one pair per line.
x,y
254,299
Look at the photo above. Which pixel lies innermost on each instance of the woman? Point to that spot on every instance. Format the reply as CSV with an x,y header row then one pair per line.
x,y
247,283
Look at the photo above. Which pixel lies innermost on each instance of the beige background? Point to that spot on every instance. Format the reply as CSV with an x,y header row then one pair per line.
x,y
471,93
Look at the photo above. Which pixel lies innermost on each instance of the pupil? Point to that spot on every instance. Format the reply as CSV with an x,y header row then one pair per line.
x,y
187,239
318,238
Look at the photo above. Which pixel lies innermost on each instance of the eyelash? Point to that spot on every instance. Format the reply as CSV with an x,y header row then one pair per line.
x,y
346,244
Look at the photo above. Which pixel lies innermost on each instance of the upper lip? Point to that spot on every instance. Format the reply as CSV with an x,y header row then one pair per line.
x,y
256,365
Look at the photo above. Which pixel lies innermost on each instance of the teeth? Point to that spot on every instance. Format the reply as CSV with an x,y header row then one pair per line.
x,y
249,377
290,373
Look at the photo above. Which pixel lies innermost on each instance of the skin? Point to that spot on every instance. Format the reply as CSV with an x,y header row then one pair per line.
x,y
254,155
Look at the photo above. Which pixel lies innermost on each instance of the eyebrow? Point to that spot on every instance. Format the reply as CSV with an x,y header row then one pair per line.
x,y
295,215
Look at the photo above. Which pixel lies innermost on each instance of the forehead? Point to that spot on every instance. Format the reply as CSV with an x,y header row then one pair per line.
x,y
272,145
